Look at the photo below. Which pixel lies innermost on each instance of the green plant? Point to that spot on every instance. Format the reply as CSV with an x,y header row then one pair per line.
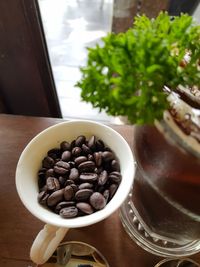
x,y
127,73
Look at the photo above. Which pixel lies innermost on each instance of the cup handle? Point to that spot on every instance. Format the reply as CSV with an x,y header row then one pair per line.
x,y
46,243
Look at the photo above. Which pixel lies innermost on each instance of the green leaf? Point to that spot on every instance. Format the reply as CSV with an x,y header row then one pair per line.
x,y
127,73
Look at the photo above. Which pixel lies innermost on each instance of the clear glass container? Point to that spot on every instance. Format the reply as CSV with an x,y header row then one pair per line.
x,y
162,211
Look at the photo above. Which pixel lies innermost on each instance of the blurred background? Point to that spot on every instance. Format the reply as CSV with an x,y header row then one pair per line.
x,y
43,45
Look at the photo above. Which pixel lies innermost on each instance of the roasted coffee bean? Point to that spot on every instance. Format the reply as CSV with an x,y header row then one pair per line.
x,y
41,182
112,189
53,156
55,198
115,177
56,160
99,188
54,153
47,162
60,170
76,151
80,214
68,193
107,156
106,195
69,182
80,159
42,197
72,164
106,148
85,186
115,165
86,150
68,212
103,177
92,142
73,144
80,140
52,184
64,204
49,173
90,157
65,146
42,172
66,156
85,207
88,177
83,194
98,158
86,166
74,174
75,187
98,170
44,188
62,180
63,164
97,201
78,178
100,145
107,166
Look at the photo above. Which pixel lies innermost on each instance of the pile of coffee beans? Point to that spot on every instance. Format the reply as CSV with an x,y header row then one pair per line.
x,y
78,178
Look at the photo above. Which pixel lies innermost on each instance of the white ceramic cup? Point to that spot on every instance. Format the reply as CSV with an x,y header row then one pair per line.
x,y
27,181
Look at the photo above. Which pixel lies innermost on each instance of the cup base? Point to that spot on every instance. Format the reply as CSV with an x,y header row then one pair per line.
x,y
149,241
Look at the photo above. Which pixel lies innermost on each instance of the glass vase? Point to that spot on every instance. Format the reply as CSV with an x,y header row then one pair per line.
x,y
162,211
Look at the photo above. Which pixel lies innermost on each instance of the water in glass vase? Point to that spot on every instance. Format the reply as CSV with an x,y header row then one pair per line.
x,y
162,213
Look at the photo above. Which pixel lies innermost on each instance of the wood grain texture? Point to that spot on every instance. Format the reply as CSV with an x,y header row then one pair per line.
x,y
19,227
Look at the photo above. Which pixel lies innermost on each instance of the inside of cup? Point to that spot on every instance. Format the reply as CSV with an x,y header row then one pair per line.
x,y
31,159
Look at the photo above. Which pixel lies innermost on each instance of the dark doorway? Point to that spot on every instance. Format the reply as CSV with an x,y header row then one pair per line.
x,y
26,82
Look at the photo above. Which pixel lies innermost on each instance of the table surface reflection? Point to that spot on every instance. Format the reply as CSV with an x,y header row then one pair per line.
x,y
19,228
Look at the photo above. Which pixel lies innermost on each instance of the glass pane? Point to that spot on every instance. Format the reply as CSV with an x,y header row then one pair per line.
x,y
70,26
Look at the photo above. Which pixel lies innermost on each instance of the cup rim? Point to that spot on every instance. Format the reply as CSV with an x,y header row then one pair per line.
x,y
96,216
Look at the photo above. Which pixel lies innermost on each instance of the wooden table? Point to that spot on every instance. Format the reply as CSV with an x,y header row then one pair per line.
x,y
18,227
